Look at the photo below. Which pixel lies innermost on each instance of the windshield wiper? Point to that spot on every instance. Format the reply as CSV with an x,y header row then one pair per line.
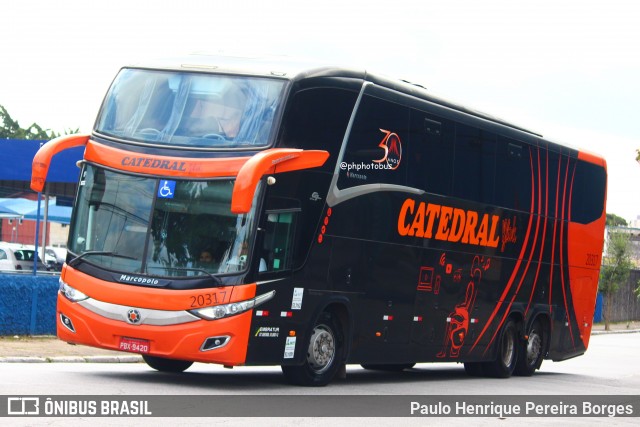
x,y
114,254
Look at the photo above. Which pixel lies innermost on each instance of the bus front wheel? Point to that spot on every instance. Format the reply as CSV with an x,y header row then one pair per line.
x,y
324,354
166,365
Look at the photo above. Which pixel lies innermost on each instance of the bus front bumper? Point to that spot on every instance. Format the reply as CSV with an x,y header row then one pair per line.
x,y
173,335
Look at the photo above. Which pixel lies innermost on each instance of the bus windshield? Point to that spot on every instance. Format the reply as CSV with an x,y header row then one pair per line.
x,y
158,227
190,109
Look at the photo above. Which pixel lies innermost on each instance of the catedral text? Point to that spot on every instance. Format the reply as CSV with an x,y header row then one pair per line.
x,y
439,222
146,162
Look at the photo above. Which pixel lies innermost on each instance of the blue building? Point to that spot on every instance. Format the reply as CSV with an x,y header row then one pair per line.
x,y
19,204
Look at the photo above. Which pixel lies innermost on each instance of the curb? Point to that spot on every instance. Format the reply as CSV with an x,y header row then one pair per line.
x,y
618,331
73,359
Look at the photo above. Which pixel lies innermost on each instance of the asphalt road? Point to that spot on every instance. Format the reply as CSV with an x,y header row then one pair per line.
x,y
610,367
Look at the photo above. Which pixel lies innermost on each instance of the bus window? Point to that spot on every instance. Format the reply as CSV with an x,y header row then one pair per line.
x,y
317,119
431,157
513,175
589,188
190,109
474,164
377,145
278,241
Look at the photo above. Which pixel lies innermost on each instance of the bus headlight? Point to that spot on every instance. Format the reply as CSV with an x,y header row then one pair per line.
x,y
231,309
71,293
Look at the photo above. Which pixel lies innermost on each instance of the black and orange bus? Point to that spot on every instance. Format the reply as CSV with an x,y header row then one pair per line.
x,y
248,212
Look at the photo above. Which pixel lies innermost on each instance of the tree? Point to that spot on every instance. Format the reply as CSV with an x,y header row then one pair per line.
x,y
10,129
616,221
616,268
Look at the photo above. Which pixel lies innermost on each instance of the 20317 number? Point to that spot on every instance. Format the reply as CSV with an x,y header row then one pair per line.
x,y
204,300
593,260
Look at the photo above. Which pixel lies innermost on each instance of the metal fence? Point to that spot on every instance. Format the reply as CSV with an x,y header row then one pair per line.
x,y
626,305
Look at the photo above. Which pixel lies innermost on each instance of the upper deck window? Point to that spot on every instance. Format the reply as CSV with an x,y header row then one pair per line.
x,y
190,109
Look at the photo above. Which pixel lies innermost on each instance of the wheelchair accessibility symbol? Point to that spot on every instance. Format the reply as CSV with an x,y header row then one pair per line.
x,y
166,189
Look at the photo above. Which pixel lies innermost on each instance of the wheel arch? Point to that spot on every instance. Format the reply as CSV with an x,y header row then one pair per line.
x,y
340,307
545,321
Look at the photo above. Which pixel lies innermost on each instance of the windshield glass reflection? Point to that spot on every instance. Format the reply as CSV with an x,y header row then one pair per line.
x,y
158,227
190,109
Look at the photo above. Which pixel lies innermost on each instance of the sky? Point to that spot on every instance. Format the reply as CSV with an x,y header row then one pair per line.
x,y
567,69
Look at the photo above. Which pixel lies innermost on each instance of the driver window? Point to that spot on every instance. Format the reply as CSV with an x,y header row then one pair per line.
x,y
277,248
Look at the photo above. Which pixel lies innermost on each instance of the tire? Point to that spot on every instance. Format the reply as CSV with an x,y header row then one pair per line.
x,y
166,365
507,356
389,368
474,369
532,351
325,349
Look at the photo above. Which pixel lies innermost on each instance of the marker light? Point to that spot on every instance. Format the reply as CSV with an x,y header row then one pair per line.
x,y
226,310
71,293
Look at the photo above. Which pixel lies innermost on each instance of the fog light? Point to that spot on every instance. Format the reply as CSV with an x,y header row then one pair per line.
x,y
67,323
213,343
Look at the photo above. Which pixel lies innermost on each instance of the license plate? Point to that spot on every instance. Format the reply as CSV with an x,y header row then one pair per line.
x,y
134,345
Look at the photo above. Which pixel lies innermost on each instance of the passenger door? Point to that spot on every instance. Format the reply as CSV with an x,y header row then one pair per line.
x,y
275,252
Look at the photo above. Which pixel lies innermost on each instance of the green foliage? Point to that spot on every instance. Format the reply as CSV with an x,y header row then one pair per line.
x,y
10,129
615,270
616,265
616,221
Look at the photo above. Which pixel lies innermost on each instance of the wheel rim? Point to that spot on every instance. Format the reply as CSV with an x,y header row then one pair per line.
x,y
508,348
322,349
534,347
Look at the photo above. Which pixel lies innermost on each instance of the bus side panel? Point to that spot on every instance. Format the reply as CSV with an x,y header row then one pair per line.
x,y
584,254
586,238
275,325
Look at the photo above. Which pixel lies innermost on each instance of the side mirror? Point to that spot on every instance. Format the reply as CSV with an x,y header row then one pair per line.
x,y
272,161
42,159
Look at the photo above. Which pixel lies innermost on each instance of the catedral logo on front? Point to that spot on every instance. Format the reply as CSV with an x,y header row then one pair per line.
x,y
146,162
446,223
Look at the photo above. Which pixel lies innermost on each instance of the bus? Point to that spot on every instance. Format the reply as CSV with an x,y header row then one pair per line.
x,y
244,211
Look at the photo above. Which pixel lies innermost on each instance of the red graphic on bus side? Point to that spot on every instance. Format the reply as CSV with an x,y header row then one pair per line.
x,y
458,321
392,150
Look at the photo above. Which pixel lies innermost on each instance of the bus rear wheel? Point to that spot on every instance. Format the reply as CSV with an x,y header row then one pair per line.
x,y
505,362
324,354
532,351
166,365
474,369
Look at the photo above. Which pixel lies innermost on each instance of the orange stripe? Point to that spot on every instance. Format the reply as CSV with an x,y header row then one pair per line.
x,y
516,268
544,229
592,158
555,234
523,276
562,249
162,165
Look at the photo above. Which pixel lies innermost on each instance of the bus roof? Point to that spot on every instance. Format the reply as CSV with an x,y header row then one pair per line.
x,y
297,69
